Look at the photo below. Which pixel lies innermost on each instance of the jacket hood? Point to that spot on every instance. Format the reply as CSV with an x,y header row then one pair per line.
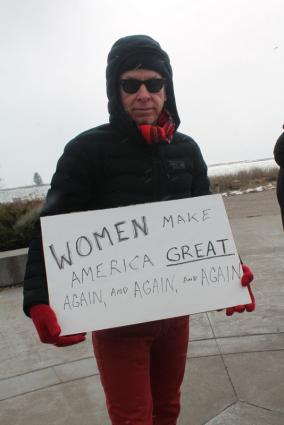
x,y
279,151
136,51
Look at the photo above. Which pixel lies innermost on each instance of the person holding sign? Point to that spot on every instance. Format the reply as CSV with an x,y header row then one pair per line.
x,y
138,157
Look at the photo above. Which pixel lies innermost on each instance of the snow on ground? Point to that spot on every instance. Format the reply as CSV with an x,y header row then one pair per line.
x,y
255,189
39,192
25,193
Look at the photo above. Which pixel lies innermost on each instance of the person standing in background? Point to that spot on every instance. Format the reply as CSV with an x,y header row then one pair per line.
x,y
279,159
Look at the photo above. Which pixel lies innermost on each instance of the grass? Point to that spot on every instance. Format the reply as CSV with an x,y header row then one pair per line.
x,y
245,179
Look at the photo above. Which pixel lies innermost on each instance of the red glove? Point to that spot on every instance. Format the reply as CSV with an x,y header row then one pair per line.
x,y
48,329
247,278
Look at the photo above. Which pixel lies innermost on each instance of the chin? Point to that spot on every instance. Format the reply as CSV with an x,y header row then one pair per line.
x,y
149,121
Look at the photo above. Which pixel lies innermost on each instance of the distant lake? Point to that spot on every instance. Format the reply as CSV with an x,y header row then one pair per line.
x,y
39,192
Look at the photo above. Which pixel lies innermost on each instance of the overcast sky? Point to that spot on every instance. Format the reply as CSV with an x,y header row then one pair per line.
x,y
227,57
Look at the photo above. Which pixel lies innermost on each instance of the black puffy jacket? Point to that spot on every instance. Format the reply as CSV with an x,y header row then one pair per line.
x,y
112,165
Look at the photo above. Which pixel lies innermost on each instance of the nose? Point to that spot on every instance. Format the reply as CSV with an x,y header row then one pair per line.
x,y
143,93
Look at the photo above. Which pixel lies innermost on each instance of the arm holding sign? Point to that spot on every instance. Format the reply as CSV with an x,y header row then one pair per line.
x,y
48,329
200,187
247,278
70,191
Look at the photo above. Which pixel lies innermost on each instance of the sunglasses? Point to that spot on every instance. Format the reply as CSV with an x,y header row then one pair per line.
x,y
153,85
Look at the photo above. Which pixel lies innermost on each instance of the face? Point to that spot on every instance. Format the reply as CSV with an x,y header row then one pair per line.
x,y
143,106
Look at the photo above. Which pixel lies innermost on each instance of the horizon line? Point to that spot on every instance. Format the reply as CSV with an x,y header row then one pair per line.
x,y
208,165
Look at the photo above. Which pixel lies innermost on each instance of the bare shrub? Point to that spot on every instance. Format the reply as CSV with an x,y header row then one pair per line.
x,y
244,179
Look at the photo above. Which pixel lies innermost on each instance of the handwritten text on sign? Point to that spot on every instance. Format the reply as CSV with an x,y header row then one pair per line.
x,y
145,262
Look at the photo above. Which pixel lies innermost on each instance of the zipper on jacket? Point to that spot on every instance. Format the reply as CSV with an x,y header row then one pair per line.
x,y
155,171
159,172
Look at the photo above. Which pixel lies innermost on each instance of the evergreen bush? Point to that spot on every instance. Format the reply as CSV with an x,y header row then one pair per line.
x,y
16,223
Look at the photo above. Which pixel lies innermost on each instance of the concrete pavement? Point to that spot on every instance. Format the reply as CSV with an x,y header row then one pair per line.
x,y
235,367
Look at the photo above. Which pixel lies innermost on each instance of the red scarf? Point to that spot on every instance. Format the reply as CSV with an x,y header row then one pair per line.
x,y
162,132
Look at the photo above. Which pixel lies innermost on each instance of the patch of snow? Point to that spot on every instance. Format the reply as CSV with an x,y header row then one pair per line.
x,y
250,190
25,193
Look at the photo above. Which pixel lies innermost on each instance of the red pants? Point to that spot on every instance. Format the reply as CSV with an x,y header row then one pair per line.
x,y
141,368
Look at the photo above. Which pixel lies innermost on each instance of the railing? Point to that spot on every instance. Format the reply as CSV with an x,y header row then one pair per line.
x,y
12,267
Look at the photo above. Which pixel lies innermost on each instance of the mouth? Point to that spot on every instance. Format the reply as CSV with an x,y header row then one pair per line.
x,y
143,110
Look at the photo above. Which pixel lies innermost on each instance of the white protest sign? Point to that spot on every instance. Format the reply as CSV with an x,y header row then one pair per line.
x,y
127,265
